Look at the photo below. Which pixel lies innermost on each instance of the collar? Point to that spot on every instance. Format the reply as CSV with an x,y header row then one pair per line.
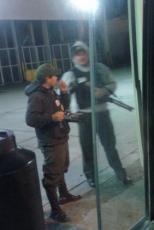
x,y
83,68
44,90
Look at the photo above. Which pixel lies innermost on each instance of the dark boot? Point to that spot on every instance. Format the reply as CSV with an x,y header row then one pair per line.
x,y
64,195
59,216
57,213
122,176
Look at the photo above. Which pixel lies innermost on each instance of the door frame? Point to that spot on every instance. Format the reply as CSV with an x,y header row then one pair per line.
x,y
148,102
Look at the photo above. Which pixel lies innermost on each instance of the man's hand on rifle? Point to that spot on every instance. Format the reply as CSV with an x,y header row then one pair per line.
x,y
87,84
100,92
58,116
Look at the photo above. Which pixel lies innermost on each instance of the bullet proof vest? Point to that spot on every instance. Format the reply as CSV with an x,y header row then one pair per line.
x,y
82,89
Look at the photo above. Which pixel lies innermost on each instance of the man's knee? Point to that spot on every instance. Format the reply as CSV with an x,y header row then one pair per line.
x,y
51,180
57,163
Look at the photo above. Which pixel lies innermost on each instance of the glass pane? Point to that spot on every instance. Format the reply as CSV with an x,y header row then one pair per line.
x,y
4,57
2,36
53,30
16,74
90,46
119,157
13,56
38,35
1,79
23,33
7,75
9,36
71,31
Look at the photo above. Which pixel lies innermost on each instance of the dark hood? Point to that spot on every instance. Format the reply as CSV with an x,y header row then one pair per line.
x,y
32,88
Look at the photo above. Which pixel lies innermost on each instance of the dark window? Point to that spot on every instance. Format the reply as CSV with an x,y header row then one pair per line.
x,y
54,32
38,35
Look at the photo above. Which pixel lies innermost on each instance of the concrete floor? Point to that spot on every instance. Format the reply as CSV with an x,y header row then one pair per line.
x,y
124,205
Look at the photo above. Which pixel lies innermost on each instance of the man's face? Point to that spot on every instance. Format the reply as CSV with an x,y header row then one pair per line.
x,y
51,81
81,58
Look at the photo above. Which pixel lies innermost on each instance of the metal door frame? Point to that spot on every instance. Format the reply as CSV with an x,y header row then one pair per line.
x,y
147,107
148,101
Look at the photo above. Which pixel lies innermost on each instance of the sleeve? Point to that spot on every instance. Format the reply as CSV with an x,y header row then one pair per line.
x,y
35,116
69,79
107,78
65,100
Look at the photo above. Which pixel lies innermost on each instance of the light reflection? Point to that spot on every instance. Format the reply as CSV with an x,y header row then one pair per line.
x,y
85,5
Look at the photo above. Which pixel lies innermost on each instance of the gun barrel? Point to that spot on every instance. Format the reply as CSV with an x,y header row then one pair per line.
x,y
121,104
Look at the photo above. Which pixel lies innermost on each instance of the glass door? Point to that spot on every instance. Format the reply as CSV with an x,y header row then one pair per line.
x,y
116,116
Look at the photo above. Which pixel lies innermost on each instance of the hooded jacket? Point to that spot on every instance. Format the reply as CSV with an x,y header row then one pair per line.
x,y
42,103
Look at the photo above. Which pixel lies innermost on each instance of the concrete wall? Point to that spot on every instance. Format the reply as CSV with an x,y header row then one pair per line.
x,y
38,9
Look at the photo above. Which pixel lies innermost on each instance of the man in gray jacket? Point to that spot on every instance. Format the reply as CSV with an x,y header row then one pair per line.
x,y
78,81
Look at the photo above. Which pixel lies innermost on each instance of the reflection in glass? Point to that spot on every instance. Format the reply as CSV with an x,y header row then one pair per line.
x,y
117,141
64,41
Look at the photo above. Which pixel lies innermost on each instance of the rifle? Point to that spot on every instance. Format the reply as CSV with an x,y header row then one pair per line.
x,y
79,116
117,101
110,99
120,104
